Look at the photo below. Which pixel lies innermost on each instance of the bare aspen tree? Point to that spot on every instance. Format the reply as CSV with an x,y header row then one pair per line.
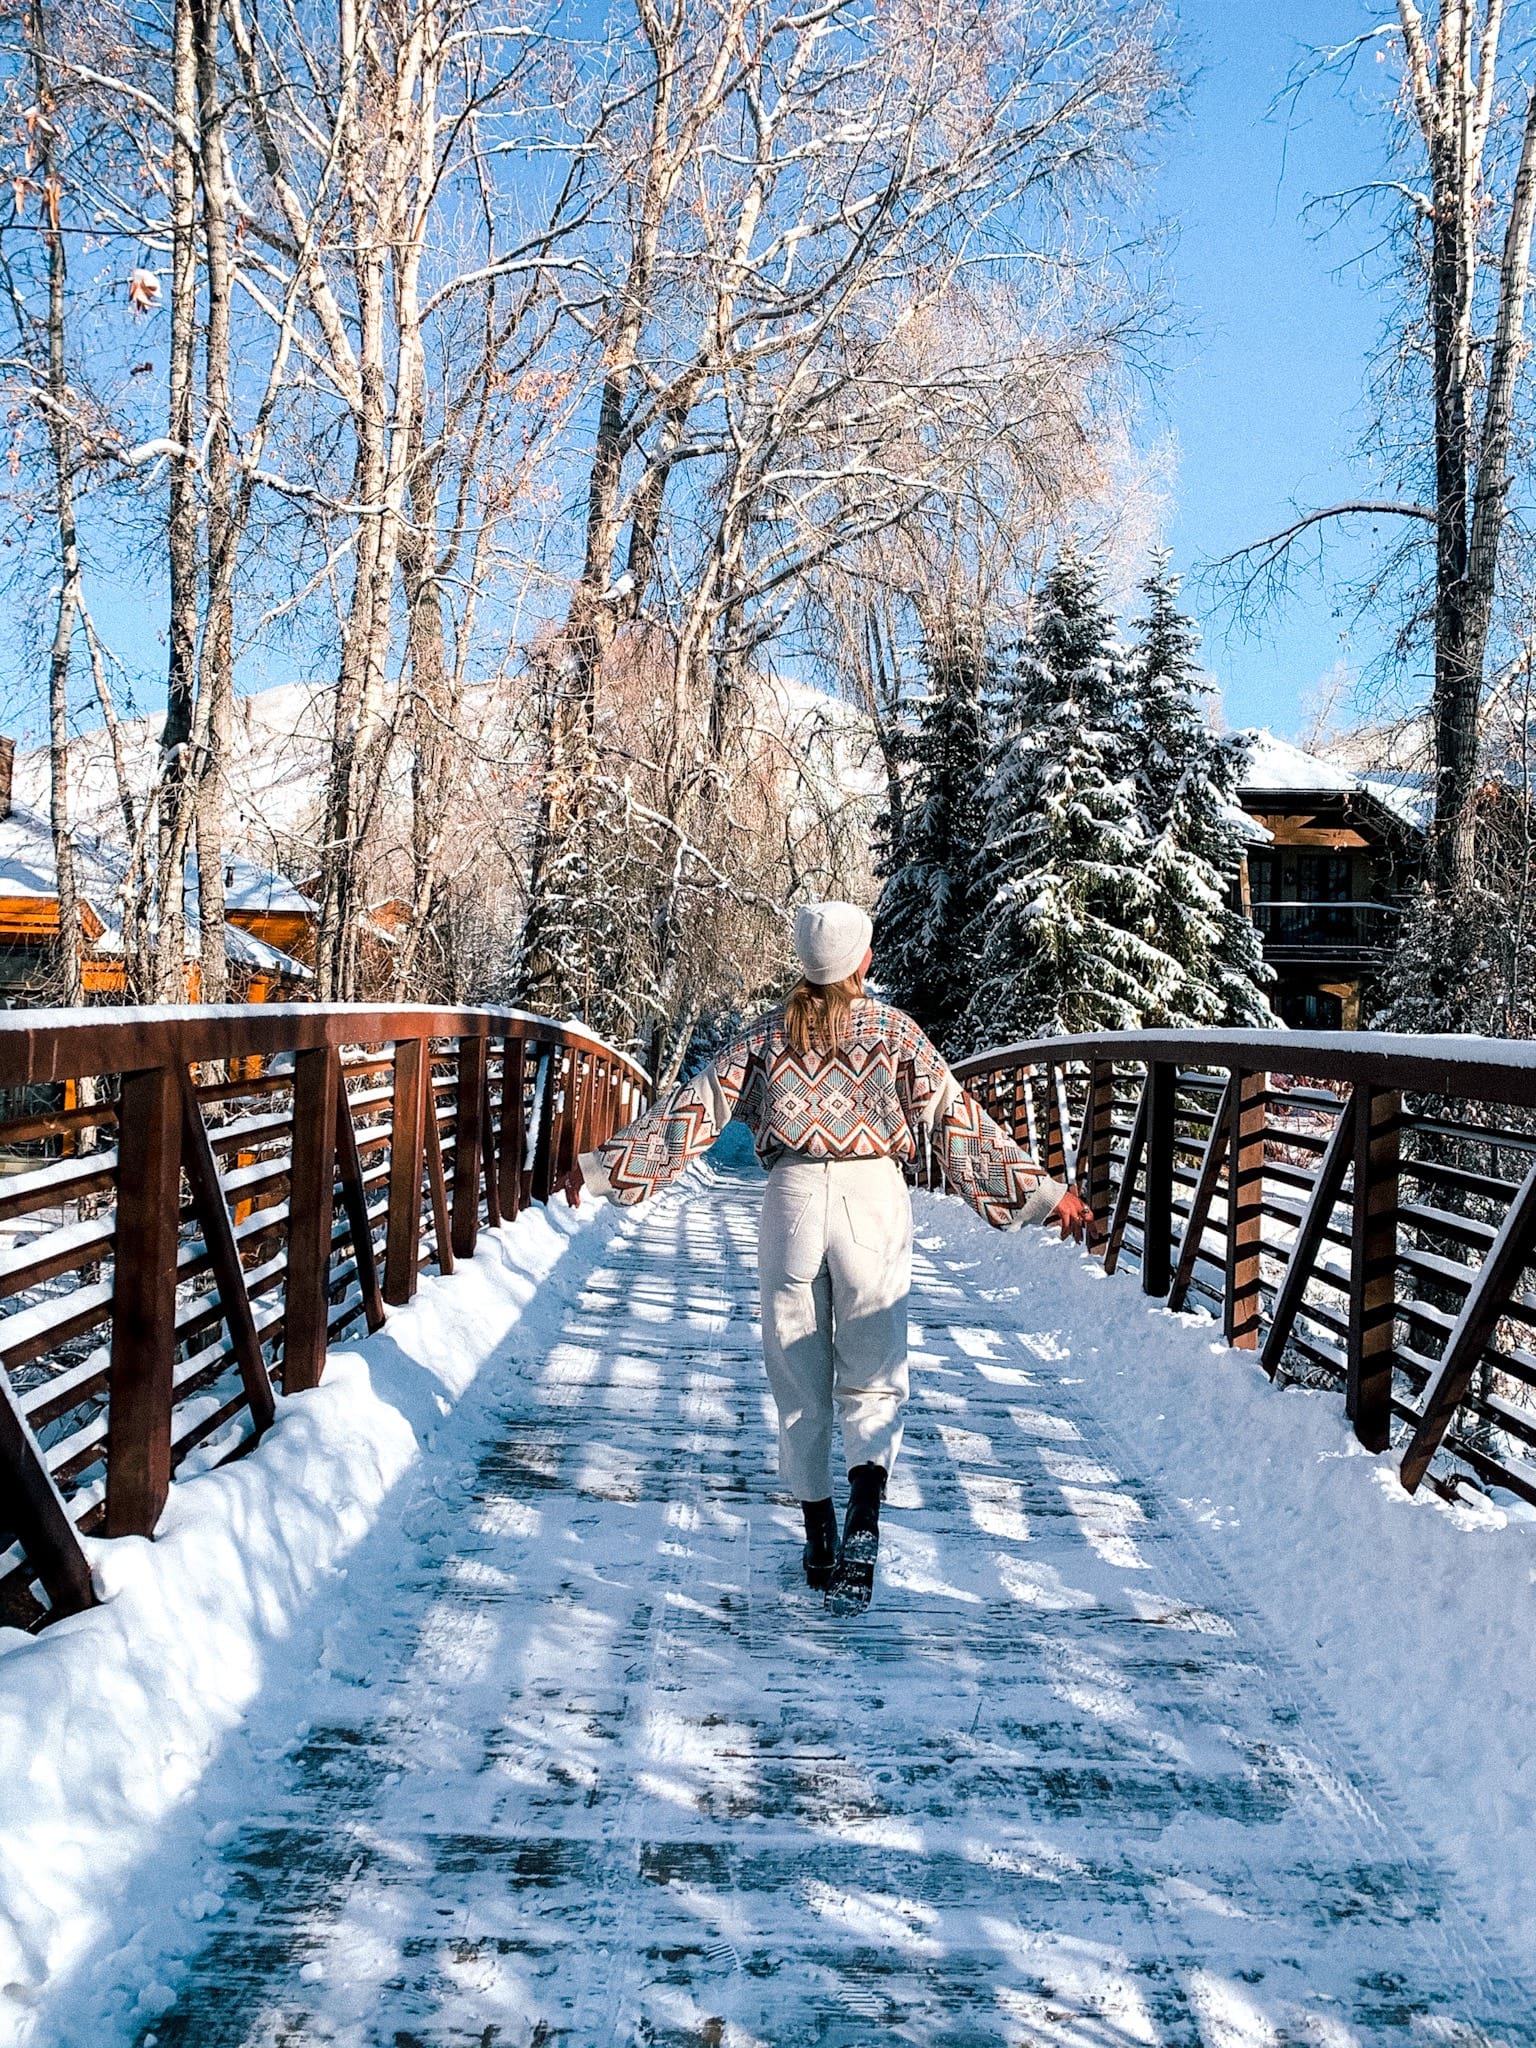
x,y
688,68
1468,207
365,167
55,380
216,681
177,797
853,169
73,164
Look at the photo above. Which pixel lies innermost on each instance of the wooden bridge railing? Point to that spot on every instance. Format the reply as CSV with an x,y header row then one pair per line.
x,y
1360,1208
196,1202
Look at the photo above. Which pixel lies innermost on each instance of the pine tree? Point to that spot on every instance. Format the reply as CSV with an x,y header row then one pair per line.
x,y
1064,936
1187,778
927,906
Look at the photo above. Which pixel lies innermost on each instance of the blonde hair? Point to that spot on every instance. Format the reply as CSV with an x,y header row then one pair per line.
x,y
818,1013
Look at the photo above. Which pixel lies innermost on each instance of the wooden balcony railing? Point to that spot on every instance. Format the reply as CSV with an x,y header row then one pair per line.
x,y
198,1201
1313,927
1357,1207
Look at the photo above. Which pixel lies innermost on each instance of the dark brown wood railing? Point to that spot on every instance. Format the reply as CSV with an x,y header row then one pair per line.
x,y
195,1203
1358,1208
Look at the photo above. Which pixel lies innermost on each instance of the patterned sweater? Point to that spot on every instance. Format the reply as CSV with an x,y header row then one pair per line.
x,y
882,1091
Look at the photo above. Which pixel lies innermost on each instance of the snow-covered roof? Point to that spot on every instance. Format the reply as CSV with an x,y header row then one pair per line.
x,y
1277,764
1278,767
247,887
240,946
27,868
1409,796
27,864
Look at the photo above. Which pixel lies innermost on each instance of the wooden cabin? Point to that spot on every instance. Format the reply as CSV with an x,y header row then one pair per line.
x,y
270,926
1326,872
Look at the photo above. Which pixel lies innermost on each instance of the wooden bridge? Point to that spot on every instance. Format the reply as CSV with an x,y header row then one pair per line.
x,y
607,1774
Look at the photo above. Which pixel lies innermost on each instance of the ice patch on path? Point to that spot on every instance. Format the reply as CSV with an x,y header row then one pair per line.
x,y
1413,1621
109,1720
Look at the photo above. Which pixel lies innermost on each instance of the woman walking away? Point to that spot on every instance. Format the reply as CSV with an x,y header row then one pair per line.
x,y
838,1090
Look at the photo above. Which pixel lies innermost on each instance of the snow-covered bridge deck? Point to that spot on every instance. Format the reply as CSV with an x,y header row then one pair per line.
x,y
585,1763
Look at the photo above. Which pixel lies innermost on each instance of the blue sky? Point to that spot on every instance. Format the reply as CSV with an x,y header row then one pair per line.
x,y
1265,390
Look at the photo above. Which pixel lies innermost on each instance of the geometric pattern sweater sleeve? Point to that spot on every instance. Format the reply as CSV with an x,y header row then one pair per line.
x,y
880,1095
665,1141
979,1160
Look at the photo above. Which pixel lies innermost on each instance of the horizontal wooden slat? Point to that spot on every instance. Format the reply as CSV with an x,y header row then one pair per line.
x,y
28,1332
60,1181
56,1123
54,1253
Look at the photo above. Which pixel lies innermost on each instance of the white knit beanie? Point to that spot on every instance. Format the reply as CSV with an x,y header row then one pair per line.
x,y
831,940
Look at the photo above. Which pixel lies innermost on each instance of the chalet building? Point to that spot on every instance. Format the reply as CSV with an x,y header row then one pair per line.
x,y
269,935
1331,855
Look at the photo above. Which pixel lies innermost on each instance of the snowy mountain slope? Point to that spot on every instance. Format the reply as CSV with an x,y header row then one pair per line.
x,y
281,752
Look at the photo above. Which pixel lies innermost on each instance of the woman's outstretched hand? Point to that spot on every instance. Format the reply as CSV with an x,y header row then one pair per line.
x,y
1077,1220
573,1184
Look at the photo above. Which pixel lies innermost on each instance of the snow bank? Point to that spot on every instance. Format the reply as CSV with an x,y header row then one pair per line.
x,y
1412,1620
110,1719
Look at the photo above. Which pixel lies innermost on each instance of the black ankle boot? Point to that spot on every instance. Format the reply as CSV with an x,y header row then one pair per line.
x,y
820,1553
853,1579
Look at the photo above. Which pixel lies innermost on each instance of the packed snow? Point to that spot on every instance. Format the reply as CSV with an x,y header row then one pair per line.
x,y
1415,1618
527,1731
109,1720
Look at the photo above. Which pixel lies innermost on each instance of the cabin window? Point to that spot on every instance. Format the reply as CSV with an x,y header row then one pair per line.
x,y
1311,1009
1323,877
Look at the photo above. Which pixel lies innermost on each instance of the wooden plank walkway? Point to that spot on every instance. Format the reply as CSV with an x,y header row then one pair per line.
x,y
617,1779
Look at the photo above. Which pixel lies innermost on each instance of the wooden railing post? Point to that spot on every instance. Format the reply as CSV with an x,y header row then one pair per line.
x,y
546,1088
567,1102
1157,1203
402,1247
1373,1265
594,1088
354,1197
144,1301
37,1514
1055,1127
467,1139
488,1161
1094,1154
513,1134
311,1217
1245,1211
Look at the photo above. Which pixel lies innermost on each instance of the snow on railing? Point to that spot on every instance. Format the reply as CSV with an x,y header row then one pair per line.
x,y
199,1200
1365,1219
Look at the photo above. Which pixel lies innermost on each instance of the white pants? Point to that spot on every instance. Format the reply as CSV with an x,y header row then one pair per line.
x,y
835,1269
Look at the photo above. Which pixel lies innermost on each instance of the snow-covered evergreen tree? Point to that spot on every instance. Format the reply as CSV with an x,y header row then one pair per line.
x,y
926,912
1187,777
1063,937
